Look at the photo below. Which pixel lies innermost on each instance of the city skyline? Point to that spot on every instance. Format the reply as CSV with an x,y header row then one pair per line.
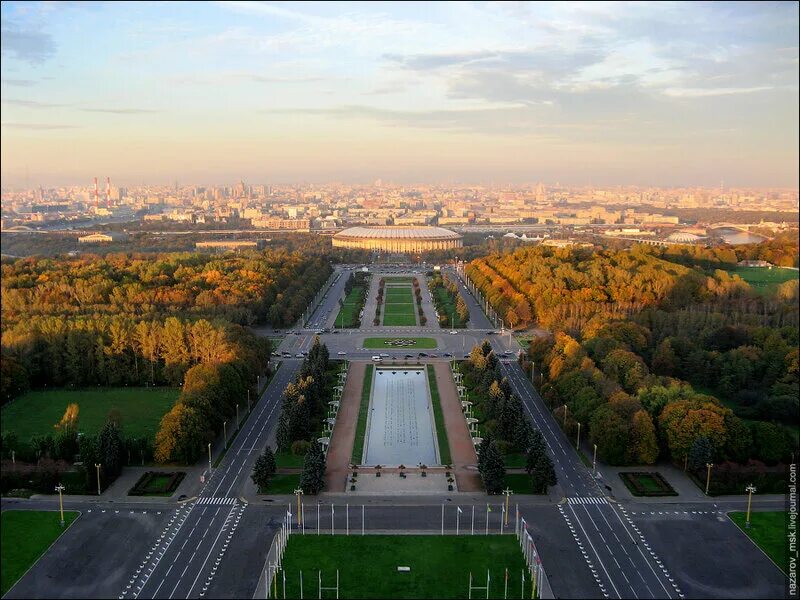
x,y
666,94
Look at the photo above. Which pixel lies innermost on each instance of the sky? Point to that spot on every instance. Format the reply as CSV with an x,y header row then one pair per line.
x,y
661,94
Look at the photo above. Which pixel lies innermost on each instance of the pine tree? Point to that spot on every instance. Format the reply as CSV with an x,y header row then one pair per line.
x,y
313,478
110,449
491,468
535,452
701,453
264,469
544,474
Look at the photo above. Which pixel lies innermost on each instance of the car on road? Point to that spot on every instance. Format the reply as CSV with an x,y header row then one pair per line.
x,y
340,353
432,355
408,356
377,358
421,354
508,352
447,354
287,354
454,332
384,355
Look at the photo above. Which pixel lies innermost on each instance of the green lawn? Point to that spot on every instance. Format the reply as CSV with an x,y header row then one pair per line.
x,y
763,279
353,304
643,483
515,460
282,483
768,531
520,483
399,307
26,535
36,413
363,413
390,280
157,484
381,342
440,565
288,460
438,415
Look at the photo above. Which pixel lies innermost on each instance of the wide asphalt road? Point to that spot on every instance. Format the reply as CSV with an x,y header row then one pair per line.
x,y
615,550
184,559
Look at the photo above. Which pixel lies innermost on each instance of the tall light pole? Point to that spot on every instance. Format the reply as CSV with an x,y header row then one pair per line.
x,y
225,433
578,441
507,492
708,476
60,488
299,492
594,460
97,466
750,489
565,416
209,459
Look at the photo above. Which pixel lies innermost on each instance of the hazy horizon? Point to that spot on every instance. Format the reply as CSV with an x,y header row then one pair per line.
x,y
651,95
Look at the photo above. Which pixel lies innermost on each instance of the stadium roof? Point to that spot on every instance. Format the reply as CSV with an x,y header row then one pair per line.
x,y
394,233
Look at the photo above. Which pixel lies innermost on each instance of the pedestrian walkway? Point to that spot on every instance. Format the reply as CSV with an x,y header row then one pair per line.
x,y
216,500
587,500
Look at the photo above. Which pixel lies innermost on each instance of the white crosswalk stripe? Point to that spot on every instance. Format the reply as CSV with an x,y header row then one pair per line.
x,y
216,500
587,500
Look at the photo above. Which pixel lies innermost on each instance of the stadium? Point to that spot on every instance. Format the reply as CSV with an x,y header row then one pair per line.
x,y
398,239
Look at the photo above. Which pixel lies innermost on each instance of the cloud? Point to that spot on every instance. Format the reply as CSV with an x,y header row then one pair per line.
x,y
704,92
33,47
19,82
32,103
121,111
37,126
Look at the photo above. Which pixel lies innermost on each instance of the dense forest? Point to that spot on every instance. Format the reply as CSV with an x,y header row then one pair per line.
x,y
655,357
266,287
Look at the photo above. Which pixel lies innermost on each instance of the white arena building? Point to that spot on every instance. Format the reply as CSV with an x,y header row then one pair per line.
x,y
398,239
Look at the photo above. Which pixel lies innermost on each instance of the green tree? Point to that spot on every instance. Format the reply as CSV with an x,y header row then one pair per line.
x,y
701,453
491,467
543,473
313,478
110,448
264,469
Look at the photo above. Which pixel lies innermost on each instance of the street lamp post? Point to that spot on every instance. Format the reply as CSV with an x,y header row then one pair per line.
x,y
750,489
708,476
209,459
565,416
225,433
507,492
60,488
237,417
97,466
578,441
299,492
594,460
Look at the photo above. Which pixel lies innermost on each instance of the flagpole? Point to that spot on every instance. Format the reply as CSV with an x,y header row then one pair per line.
x,y
472,528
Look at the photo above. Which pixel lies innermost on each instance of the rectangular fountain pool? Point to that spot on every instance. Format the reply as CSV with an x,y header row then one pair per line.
x,y
401,426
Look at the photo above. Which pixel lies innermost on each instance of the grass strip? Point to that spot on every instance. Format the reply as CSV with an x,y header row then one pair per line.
x,y
26,535
363,412
768,532
438,415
